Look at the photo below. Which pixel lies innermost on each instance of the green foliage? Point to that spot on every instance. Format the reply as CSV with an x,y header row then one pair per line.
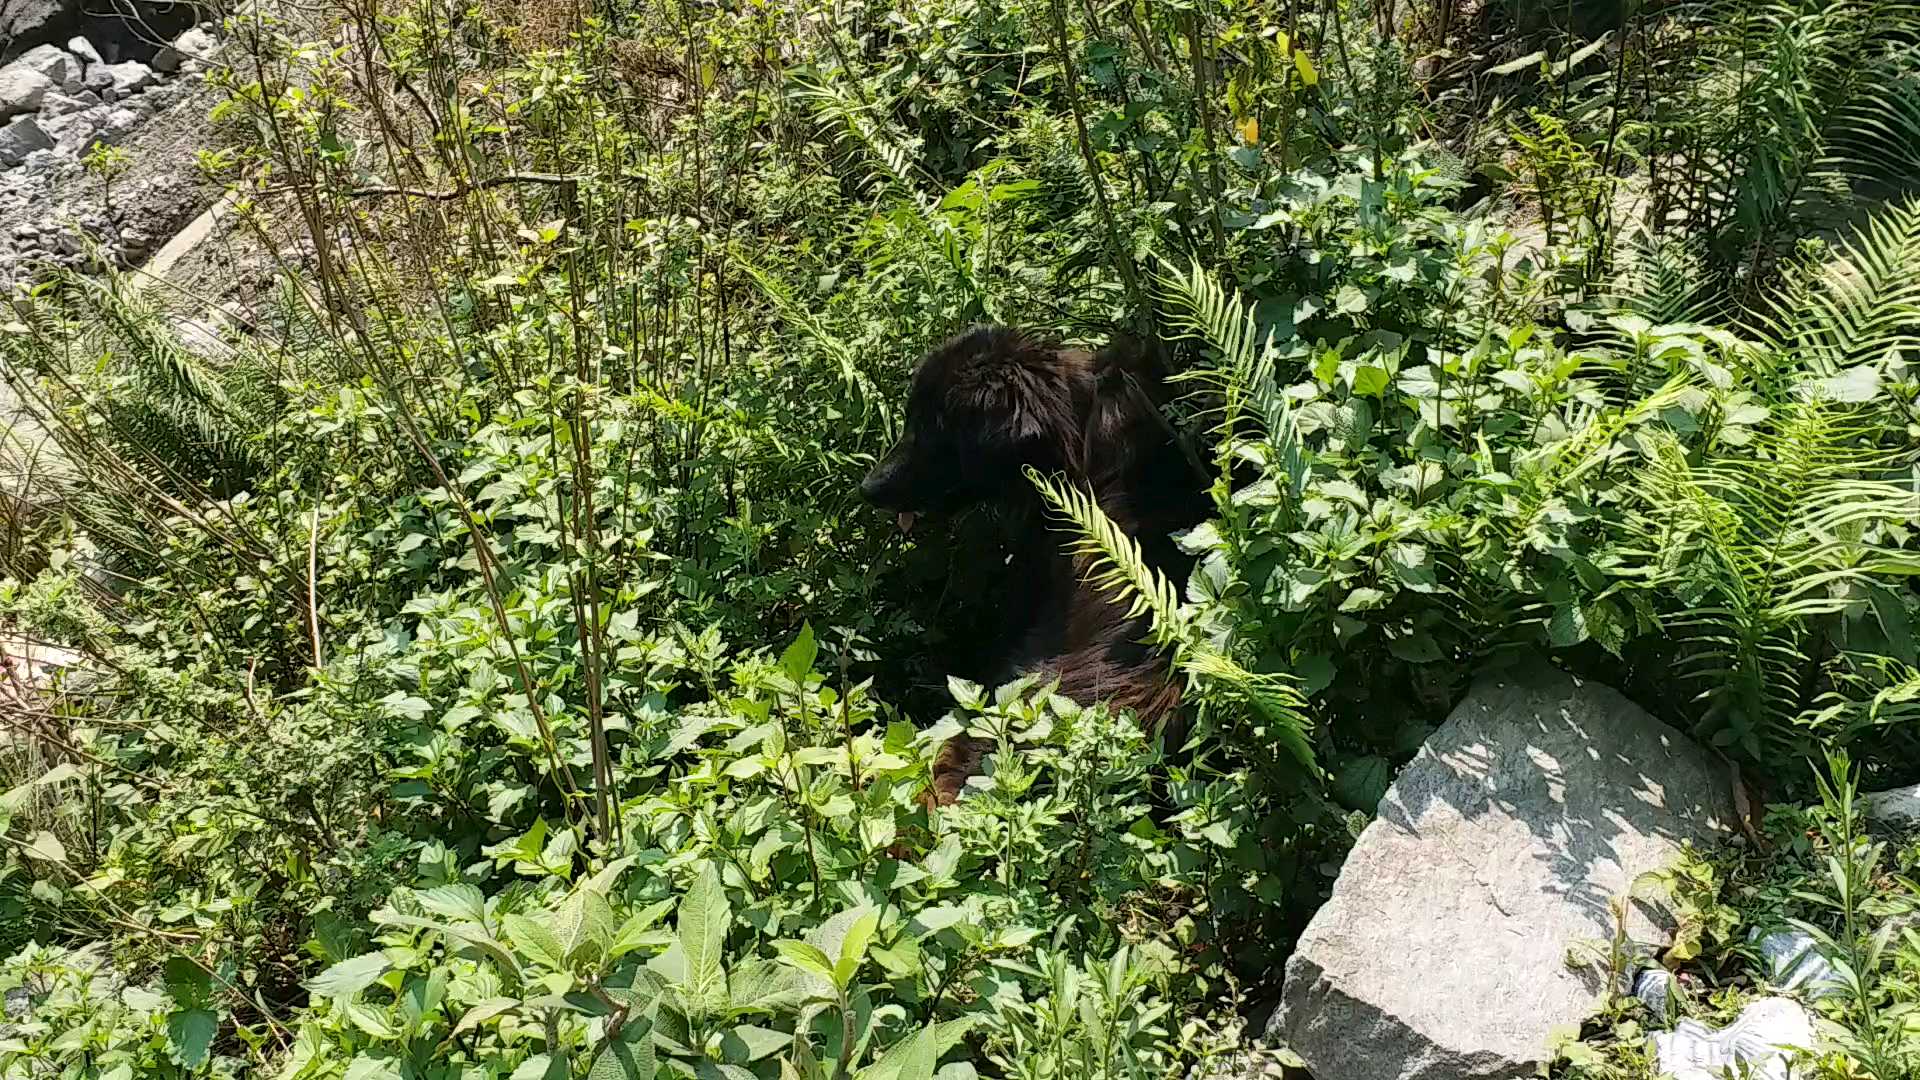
x,y
1851,891
488,666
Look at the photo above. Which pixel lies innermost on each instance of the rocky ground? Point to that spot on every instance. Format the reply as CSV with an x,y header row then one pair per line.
x,y
98,158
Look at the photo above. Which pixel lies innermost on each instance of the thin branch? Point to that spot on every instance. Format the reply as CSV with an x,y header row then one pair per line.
x,y
313,586
466,187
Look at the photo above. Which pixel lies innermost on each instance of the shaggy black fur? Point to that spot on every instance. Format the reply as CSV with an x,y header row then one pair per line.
x,y
988,403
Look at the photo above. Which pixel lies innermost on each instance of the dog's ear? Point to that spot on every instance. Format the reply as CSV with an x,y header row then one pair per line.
x,y
1029,406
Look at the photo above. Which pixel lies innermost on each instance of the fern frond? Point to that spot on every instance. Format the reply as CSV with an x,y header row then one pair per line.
x,y
1664,279
1117,567
1887,695
177,392
1198,306
893,160
1760,544
858,384
1116,564
1861,305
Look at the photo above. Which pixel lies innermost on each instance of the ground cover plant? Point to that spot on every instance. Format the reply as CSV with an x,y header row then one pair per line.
x,y
486,665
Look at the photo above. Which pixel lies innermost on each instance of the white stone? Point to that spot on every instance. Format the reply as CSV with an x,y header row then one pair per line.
x,y
1658,990
82,48
1794,962
1762,1039
21,89
1501,848
56,63
195,46
129,76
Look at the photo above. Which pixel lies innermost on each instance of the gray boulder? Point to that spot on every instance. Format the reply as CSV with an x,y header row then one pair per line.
x,y
82,48
61,104
76,132
1895,808
194,46
1443,953
21,137
52,61
30,18
22,89
128,76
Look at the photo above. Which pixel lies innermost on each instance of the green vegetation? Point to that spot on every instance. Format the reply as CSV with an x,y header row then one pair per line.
x,y
1821,873
487,668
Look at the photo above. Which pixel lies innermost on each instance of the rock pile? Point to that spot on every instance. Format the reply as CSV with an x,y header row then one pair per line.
x,y
56,105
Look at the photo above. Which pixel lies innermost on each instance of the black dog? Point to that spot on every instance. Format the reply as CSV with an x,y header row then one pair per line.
x,y
993,401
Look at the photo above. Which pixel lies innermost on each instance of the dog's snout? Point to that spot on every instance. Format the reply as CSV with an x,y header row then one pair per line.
x,y
885,485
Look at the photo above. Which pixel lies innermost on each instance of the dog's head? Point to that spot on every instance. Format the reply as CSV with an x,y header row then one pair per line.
x,y
984,405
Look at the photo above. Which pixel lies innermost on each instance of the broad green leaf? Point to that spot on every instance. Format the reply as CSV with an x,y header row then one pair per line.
x,y
637,932
746,1043
853,950
767,986
797,661
947,1034
584,926
704,918
923,1057
1370,380
627,1055
608,876
1361,783
187,981
805,957
368,1067
190,1034
1308,76
534,1068
474,936
46,847
461,902
536,941
349,976
485,1011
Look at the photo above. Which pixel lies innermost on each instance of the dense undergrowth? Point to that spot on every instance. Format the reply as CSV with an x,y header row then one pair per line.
x,y
487,667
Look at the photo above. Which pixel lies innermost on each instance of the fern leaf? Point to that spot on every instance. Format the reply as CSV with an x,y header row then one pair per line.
x,y
1116,566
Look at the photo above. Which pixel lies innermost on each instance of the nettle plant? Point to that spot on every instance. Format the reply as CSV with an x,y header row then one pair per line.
x,y
778,902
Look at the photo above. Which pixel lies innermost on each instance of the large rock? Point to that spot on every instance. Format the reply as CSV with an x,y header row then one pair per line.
x,y
22,137
1896,808
1443,952
194,46
52,61
83,48
24,20
129,76
22,89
